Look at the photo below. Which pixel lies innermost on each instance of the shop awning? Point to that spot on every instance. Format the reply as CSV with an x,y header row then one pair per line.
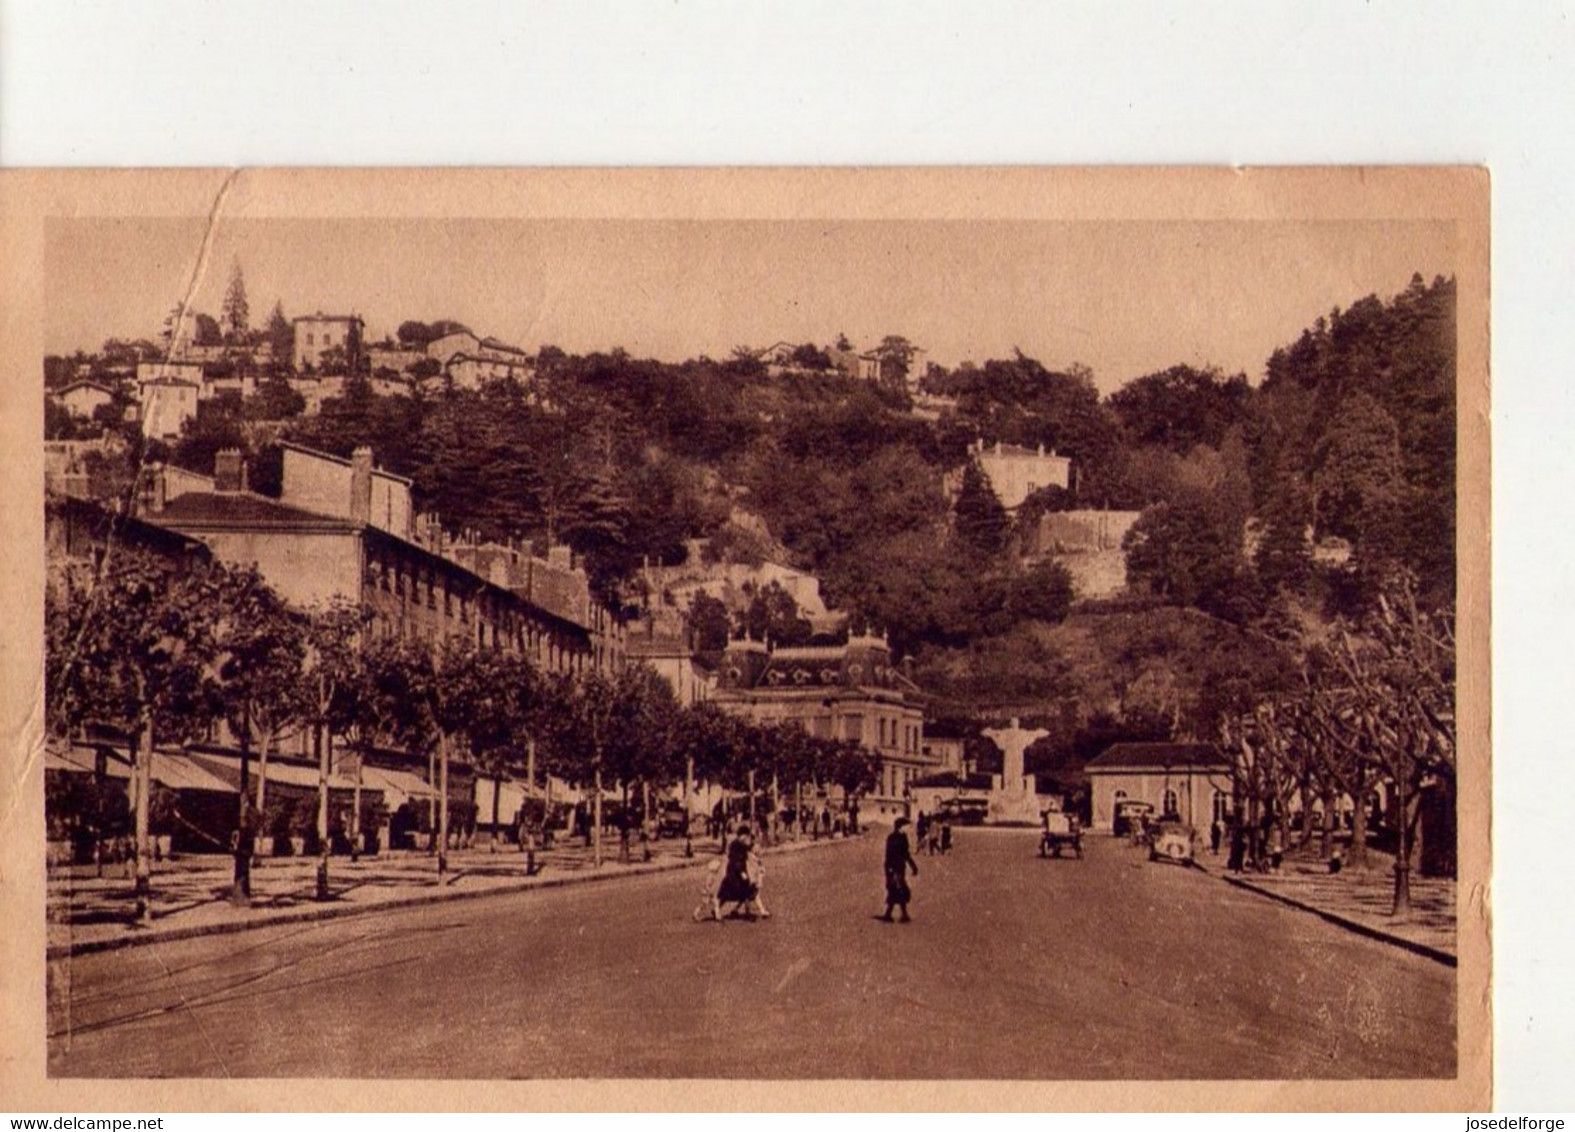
x,y
171,770
398,786
279,771
181,772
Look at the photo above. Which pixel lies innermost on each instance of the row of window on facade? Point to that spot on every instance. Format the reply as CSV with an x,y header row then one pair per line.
x,y
496,627
392,578
892,732
549,654
889,735
898,778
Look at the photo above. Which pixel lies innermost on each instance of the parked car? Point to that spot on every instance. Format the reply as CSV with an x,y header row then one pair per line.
x,y
1173,841
672,821
1131,817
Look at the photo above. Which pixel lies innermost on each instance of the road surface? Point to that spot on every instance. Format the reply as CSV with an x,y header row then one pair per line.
x,y
1014,967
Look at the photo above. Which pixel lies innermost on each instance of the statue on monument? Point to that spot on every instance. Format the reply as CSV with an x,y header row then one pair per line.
x,y
1013,798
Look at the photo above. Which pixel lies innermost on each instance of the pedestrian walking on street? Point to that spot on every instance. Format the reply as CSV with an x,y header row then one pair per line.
x,y
1215,833
946,836
1238,848
899,859
741,878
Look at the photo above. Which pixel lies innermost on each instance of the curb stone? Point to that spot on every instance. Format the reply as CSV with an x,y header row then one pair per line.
x,y
1436,954
146,936
1426,951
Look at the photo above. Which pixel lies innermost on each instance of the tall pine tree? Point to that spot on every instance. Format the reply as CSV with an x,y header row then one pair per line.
x,y
281,337
982,522
236,311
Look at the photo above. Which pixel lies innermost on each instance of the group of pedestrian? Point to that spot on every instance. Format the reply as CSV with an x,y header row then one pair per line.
x,y
738,877
934,834
1260,848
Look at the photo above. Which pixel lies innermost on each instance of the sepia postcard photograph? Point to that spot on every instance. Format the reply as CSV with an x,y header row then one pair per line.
x,y
736,634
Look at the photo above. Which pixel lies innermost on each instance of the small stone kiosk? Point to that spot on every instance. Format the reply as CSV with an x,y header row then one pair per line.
x,y
1014,799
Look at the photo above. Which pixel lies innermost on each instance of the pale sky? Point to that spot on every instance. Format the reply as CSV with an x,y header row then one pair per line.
x,y
1124,298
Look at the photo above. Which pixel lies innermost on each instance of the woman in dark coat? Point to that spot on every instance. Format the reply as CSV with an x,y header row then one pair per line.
x,y
899,859
737,886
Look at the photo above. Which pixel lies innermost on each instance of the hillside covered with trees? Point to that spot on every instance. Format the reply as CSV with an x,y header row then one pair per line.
x,y
1267,511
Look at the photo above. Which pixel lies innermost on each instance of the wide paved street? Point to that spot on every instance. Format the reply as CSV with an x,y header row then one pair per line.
x,y
1015,967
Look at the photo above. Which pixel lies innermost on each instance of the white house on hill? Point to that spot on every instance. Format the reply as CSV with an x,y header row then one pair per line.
x,y
1016,472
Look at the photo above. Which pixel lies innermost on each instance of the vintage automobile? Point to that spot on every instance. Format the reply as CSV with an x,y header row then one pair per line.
x,y
672,821
1061,831
1131,817
1172,841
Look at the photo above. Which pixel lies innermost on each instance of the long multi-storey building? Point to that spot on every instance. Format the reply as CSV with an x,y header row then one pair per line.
x,y
346,530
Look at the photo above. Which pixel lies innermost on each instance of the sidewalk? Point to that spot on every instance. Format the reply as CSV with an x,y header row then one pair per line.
x,y
191,895
1360,899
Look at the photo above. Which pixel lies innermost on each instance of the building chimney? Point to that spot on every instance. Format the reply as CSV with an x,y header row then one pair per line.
x,y
361,485
229,471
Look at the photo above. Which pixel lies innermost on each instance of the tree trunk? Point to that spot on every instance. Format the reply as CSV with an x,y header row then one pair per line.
x,y
1359,823
596,816
497,801
241,879
143,789
1402,898
432,786
752,811
1327,846
324,743
262,779
355,809
442,855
